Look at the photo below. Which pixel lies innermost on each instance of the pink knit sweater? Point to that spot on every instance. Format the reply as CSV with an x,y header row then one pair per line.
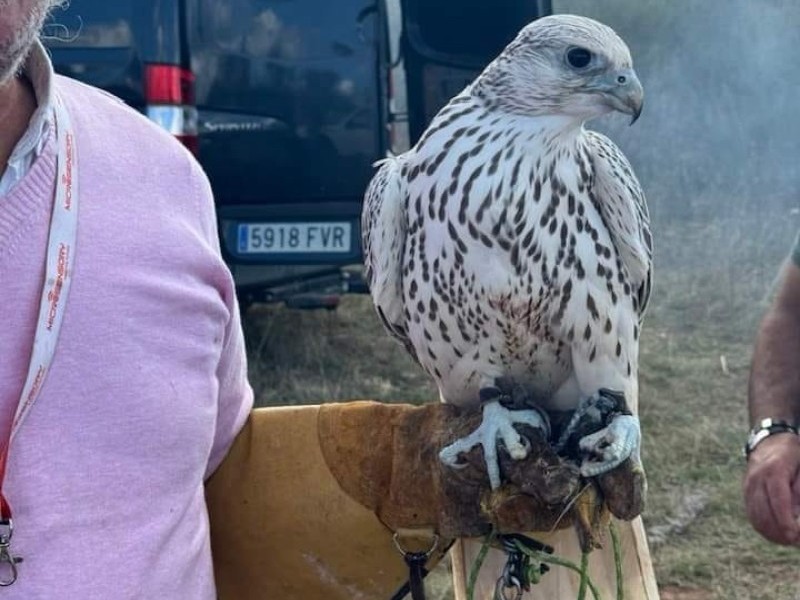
x,y
148,387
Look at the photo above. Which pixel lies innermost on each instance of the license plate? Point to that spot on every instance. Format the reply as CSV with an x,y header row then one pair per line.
x,y
298,238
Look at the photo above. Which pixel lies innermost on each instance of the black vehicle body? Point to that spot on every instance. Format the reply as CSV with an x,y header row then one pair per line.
x,y
287,104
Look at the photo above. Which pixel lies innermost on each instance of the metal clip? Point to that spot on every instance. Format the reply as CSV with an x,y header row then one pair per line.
x,y
515,572
8,562
518,573
514,579
502,590
426,553
416,565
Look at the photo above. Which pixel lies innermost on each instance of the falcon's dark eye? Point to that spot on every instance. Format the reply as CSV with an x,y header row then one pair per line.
x,y
579,57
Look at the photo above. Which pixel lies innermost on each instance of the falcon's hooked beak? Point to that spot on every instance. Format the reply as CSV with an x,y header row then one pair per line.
x,y
623,92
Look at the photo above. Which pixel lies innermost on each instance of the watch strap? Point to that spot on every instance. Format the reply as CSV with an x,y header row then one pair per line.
x,y
764,429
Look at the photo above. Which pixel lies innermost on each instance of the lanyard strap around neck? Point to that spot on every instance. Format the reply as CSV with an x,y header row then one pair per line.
x,y
58,277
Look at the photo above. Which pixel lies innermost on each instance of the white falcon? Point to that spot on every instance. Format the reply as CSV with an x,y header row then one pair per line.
x,y
510,243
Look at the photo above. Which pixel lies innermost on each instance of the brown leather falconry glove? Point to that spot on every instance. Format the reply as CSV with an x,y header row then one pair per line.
x,y
315,502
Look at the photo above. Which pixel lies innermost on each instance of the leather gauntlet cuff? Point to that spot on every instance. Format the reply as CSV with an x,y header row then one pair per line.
x,y
309,498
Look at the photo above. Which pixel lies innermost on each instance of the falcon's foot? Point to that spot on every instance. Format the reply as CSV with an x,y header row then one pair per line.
x,y
611,446
602,433
497,426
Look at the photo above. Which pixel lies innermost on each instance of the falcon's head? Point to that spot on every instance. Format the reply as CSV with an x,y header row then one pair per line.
x,y
563,65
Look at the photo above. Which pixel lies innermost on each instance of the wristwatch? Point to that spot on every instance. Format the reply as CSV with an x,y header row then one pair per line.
x,y
764,429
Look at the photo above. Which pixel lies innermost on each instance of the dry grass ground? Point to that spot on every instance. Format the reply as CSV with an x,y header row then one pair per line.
x,y
713,283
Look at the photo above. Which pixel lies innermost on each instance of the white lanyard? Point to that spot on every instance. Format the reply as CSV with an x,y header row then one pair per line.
x,y
60,261
58,277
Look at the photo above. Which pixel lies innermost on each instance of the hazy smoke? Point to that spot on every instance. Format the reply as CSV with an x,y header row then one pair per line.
x,y
719,130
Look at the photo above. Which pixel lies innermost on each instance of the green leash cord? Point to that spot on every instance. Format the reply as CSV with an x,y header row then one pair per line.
x,y
476,566
584,577
542,557
617,559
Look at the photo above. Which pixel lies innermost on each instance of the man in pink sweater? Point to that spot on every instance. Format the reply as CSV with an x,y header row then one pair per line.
x,y
147,384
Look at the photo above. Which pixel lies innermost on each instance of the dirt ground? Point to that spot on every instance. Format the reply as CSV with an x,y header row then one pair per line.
x,y
681,593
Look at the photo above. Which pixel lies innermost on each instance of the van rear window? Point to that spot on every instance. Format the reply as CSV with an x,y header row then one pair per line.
x,y
303,61
92,24
277,30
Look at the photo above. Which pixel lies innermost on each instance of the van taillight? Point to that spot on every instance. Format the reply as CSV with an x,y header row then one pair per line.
x,y
169,93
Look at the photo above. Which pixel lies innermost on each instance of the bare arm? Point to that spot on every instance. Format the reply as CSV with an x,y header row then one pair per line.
x,y
775,375
772,480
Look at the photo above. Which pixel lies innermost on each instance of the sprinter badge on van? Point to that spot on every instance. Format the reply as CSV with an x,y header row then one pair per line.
x,y
295,238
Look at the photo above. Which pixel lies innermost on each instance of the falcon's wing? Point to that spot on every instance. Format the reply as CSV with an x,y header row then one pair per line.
x,y
383,235
622,203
